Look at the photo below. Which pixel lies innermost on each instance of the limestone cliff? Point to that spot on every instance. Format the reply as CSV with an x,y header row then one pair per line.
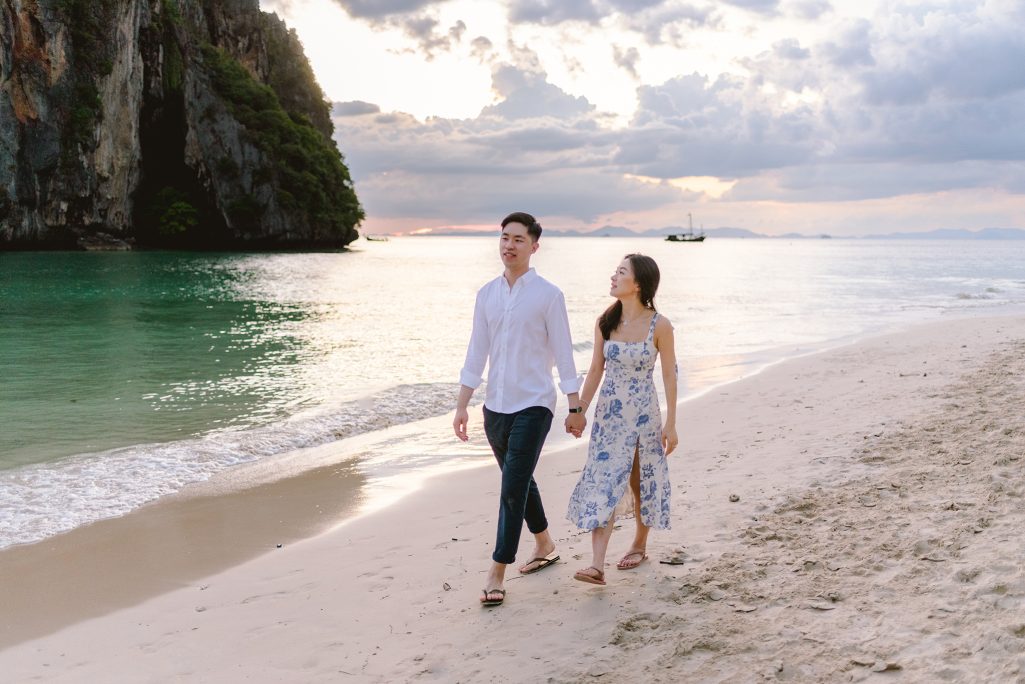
x,y
178,123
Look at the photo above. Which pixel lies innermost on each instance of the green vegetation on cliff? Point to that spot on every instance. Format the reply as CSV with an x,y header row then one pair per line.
x,y
89,22
291,76
174,63
307,165
173,213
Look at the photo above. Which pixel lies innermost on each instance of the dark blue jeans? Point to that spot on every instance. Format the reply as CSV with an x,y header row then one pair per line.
x,y
516,439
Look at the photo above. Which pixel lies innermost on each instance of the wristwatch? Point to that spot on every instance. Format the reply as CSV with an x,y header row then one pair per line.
x,y
578,409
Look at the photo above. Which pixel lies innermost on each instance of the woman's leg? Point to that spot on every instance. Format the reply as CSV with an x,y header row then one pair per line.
x,y
636,554
600,537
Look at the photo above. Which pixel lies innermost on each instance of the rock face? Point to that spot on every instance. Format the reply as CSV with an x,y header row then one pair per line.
x,y
165,123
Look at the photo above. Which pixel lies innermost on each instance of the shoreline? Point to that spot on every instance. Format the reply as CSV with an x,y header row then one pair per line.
x,y
699,376
702,375
376,584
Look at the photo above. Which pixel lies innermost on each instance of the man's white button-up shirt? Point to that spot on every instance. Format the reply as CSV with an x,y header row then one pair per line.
x,y
521,333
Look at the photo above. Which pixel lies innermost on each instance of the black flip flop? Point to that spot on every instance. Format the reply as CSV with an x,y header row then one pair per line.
x,y
492,602
543,563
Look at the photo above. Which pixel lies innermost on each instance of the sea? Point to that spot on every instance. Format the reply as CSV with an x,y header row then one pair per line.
x,y
129,376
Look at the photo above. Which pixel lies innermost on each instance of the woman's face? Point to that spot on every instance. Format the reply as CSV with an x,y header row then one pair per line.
x,y
623,283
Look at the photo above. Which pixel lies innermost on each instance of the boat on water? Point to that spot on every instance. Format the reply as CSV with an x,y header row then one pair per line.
x,y
689,236
376,238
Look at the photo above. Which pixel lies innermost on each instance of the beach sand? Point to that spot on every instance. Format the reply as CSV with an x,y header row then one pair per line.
x,y
854,515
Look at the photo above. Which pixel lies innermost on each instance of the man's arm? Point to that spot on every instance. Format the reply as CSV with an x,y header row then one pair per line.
x,y
560,342
471,375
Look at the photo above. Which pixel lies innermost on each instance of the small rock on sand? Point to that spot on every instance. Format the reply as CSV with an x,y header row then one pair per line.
x,y
716,594
886,666
743,607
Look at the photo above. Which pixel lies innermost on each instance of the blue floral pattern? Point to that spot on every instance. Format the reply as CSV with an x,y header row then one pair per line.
x,y
626,417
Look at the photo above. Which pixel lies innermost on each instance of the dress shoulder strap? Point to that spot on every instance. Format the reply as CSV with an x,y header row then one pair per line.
x,y
651,328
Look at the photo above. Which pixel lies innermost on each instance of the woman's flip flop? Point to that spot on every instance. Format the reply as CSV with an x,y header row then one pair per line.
x,y
583,576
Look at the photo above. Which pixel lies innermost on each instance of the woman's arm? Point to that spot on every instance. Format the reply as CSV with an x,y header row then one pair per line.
x,y
595,370
665,343
594,373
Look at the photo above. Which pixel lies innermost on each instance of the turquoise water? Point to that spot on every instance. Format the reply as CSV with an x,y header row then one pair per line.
x,y
104,350
127,376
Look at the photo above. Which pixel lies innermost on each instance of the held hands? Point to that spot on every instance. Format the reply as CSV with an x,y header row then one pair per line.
x,y
459,424
669,439
575,424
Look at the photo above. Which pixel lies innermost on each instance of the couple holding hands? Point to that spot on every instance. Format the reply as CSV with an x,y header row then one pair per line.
x,y
520,331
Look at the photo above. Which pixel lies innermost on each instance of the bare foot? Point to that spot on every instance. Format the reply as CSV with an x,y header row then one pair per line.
x,y
632,559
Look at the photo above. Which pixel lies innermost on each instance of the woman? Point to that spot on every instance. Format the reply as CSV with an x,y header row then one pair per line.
x,y
629,443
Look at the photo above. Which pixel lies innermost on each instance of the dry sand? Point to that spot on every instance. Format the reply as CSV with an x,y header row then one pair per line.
x,y
877,537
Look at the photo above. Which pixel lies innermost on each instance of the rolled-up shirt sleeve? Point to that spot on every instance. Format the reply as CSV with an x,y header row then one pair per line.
x,y
560,342
472,373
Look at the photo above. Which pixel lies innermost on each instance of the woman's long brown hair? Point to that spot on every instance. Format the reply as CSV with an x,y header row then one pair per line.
x,y
647,276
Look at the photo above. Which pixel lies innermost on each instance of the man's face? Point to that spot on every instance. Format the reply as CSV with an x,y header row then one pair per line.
x,y
516,246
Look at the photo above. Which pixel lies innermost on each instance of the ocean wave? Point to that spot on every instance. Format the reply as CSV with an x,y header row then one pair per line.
x,y
45,499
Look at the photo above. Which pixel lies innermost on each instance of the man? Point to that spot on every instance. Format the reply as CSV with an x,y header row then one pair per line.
x,y
520,329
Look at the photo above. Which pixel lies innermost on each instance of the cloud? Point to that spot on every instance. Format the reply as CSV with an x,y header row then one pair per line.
x,y
354,108
376,9
850,182
790,49
550,12
910,103
670,23
961,59
627,59
476,169
759,6
629,6
584,196
809,10
483,49
537,142
424,30
526,94
853,47
659,21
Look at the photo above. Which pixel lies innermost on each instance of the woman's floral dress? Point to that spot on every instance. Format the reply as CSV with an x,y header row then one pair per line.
x,y
626,418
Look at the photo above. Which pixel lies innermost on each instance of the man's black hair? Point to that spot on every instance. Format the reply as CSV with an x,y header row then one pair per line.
x,y
533,227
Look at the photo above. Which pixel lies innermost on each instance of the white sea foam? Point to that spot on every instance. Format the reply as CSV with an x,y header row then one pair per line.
x,y
42,500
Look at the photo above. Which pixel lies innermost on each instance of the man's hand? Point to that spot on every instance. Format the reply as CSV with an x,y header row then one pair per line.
x,y
459,423
575,424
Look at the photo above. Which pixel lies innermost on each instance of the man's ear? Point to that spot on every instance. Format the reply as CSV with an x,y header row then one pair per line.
x,y
533,248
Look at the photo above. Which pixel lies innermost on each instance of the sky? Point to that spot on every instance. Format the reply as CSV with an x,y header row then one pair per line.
x,y
812,116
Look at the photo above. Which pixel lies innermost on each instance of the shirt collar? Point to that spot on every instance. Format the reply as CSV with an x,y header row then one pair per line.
x,y
526,278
